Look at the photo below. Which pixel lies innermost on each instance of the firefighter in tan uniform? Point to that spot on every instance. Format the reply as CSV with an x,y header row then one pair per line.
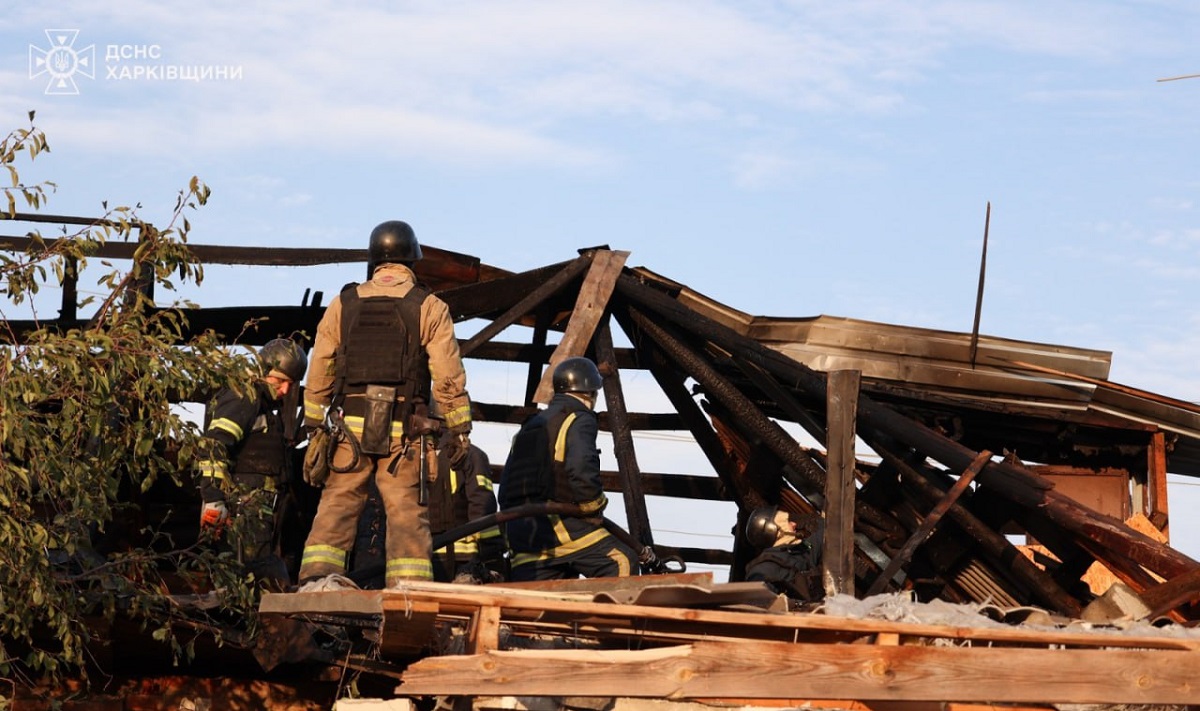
x,y
384,350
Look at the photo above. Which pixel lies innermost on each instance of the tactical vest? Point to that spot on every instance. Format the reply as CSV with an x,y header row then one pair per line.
x,y
381,345
532,473
263,451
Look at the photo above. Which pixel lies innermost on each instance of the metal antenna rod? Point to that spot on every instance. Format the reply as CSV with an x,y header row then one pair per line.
x,y
987,221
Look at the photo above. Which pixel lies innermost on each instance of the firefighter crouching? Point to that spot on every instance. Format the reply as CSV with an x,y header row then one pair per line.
x,y
384,350
554,457
245,461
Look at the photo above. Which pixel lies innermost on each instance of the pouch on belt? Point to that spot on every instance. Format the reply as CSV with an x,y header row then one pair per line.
x,y
377,423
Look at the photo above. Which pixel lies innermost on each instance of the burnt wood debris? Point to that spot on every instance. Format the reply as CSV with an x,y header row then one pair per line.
x,y
1001,474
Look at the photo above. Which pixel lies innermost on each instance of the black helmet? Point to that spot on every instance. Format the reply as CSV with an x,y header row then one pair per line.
x,y
577,375
285,356
761,529
392,241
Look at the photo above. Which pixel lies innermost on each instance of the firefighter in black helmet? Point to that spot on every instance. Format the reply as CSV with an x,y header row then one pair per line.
x,y
384,351
392,242
790,553
554,457
245,460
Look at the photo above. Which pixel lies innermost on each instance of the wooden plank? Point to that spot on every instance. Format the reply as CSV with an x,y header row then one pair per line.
x,y
599,585
837,558
408,626
338,602
589,309
485,631
830,671
566,604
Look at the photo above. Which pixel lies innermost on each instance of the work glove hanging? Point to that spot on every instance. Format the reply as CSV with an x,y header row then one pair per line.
x,y
316,458
214,517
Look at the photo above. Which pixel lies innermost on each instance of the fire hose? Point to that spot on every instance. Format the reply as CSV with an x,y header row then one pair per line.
x,y
647,558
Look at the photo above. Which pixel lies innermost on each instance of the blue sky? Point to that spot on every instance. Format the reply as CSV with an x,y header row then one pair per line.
x,y
785,158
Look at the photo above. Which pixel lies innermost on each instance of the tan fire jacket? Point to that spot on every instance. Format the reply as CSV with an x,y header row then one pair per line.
x,y
437,337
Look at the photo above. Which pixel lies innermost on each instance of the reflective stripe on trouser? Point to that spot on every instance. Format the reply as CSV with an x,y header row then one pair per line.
x,y
336,523
604,559
594,553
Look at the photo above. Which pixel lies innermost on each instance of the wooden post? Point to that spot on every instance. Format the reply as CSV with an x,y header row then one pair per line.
x,y
540,329
1156,483
837,560
618,421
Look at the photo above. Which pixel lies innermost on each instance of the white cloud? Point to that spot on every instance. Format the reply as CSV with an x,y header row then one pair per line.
x,y
478,82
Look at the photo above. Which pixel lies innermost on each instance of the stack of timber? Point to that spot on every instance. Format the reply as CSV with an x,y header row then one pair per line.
x,y
687,639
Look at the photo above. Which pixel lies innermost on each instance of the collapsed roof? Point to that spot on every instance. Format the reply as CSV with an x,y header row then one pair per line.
x,y
973,439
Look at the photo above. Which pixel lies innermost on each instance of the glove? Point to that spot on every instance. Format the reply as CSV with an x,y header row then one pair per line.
x,y
492,557
316,458
214,517
458,448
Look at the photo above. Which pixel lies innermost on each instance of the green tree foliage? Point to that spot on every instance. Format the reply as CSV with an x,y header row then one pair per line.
x,y
87,429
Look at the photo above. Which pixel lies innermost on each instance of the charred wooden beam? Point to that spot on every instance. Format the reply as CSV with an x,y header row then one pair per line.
x,y
1173,594
533,376
243,325
676,486
529,303
749,416
757,471
784,398
618,419
437,267
1014,482
495,296
537,353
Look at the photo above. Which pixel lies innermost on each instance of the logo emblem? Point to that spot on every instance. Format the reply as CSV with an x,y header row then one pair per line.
x,y
62,62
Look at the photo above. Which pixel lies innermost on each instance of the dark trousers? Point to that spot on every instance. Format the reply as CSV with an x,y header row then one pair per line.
x,y
608,558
